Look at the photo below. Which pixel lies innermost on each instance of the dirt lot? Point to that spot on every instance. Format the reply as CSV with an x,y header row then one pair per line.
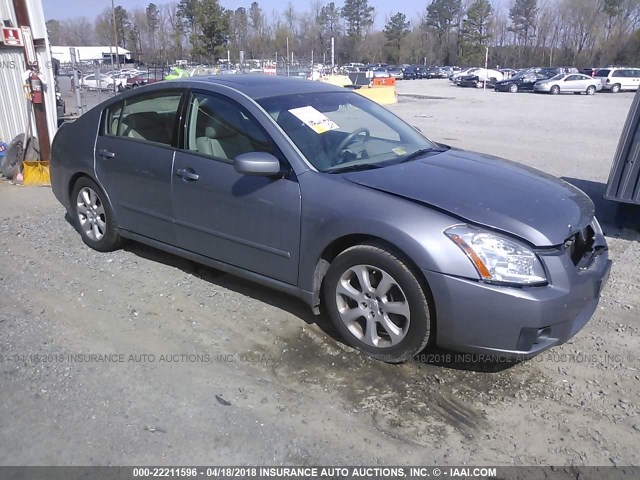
x,y
192,366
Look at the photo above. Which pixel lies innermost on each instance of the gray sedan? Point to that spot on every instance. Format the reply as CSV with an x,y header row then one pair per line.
x,y
568,82
318,192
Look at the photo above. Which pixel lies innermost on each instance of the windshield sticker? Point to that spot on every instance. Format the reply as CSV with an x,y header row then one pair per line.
x,y
315,120
399,150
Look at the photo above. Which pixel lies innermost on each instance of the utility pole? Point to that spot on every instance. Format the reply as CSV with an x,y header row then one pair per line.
x,y
287,56
486,63
115,34
333,53
76,80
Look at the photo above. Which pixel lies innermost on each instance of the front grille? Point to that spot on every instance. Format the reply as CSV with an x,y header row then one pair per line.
x,y
580,247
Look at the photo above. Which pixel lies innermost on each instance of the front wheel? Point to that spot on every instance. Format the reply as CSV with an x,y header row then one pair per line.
x,y
513,88
377,303
93,216
555,90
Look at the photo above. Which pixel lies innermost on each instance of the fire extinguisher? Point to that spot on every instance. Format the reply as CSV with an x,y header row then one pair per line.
x,y
36,88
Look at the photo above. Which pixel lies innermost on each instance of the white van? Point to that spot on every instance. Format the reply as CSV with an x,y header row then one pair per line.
x,y
617,79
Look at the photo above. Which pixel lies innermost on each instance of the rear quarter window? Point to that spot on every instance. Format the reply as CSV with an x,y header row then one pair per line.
x,y
112,119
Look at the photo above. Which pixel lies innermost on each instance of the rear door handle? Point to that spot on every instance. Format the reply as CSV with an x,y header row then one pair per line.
x,y
187,174
106,154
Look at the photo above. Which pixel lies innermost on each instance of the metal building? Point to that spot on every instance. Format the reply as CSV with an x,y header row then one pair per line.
x,y
91,54
13,66
624,178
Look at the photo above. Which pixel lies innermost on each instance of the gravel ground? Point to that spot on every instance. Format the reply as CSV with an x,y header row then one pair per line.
x,y
198,367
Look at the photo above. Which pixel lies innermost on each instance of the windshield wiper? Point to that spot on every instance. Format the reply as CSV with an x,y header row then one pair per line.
x,y
422,152
354,168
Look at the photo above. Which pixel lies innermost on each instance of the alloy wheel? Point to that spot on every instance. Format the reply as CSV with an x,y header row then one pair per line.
x,y
372,306
91,214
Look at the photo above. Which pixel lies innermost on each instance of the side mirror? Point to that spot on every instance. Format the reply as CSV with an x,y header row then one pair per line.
x,y
258,164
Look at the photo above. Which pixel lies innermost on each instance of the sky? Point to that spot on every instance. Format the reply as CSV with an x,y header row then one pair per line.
x,y
63,9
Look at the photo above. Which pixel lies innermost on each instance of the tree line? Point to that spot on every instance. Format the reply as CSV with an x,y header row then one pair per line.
x,y
446,32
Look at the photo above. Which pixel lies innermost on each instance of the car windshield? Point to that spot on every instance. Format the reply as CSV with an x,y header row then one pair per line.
x,y
339,130
560,76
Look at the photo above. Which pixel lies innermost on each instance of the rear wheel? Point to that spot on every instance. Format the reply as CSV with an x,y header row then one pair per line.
x,y
555,90
591,90
615,88
93,216
513,88
377,303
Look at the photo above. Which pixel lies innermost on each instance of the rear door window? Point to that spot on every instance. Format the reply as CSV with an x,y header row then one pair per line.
x,y
150,117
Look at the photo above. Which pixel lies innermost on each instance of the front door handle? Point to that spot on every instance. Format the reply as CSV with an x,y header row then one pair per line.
x,y
106,154
187,174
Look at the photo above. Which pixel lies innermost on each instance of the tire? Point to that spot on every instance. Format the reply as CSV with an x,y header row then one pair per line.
x,y
363,316
513,88
591,90
93,216
615,88
12,161
555,90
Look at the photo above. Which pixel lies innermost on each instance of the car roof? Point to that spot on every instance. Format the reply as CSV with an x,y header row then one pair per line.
x,y
261,86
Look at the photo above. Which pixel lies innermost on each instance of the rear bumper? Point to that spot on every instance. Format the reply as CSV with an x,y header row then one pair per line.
x,y
517,322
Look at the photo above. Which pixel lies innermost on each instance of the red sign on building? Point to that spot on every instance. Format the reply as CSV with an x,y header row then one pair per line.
x,y
11,37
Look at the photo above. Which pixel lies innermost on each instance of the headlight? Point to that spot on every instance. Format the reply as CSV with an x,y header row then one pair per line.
x,y
498,259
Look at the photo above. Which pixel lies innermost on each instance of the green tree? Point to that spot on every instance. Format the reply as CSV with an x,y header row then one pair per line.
x,y
358,15
523,20
329,19
153,22
329,25
54,29
441,18
186,11
122,25
476,32
396,29
240,27
256,18
212,23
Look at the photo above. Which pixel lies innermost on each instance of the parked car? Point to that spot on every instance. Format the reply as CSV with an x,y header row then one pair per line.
x,y
455,77
521,82
508,72
403,242
422,71
97,82
438,72
142,78
590,72
396,72
479,78
381,72
618,79
568,83
408,73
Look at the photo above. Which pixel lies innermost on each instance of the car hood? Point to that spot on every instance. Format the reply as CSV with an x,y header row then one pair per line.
x,y
488,191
